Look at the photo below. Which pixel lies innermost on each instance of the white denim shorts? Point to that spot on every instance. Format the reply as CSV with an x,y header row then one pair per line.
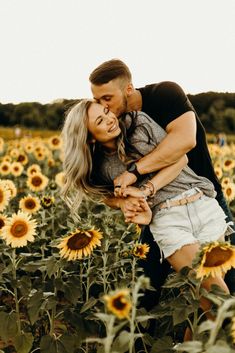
x,y
200,221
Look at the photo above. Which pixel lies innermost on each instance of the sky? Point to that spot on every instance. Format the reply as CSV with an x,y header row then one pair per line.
x,y
49,47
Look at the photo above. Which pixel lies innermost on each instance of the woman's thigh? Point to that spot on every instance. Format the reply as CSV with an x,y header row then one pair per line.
x,y
184,256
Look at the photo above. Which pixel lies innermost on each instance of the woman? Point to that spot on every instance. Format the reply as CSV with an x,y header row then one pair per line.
x,y
184,212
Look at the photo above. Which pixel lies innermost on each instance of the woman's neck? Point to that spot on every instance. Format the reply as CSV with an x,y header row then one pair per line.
x,y
110,147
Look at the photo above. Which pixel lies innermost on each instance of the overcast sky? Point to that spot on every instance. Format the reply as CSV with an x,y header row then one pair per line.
x,y
49,47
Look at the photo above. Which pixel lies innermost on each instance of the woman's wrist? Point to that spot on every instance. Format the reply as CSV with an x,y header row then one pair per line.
x,y
148,189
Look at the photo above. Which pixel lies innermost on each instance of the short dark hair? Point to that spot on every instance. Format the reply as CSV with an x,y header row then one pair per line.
x,y
110,70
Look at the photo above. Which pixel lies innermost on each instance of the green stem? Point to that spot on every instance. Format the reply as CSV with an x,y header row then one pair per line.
x,y
109,335
17,307
135,290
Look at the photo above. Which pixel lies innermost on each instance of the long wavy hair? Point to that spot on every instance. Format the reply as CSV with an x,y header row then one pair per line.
x,y
82,158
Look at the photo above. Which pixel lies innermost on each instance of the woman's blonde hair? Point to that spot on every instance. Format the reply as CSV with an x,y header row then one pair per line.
x,y
77,162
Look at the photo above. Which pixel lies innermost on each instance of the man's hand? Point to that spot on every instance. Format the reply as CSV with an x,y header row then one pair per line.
x,y
140,217
122,181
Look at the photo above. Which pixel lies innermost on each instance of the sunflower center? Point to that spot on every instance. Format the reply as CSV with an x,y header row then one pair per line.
x,y
19,229
30,204
227,163
1,196
119,303
79,241
5,168
55,141
21,158
217,257
139,251
2,224
36,181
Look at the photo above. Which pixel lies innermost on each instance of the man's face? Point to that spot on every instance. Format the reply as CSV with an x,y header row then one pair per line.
x,y
111,95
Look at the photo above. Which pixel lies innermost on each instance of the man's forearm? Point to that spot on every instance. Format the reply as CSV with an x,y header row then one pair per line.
x,y
180,139
169,173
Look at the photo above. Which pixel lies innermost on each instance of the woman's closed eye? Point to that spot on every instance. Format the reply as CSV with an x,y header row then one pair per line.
x,y
99,121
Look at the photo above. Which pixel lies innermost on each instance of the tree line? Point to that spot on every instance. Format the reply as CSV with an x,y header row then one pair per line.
x,y
215,110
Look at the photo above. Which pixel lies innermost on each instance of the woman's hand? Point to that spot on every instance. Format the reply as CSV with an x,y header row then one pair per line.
x,y
139,217
122,181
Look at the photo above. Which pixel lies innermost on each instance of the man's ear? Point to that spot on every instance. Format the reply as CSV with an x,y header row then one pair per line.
x,y
129,89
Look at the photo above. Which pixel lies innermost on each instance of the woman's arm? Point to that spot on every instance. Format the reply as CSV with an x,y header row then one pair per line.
x,y
160,179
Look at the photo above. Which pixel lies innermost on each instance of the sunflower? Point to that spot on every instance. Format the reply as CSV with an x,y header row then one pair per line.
x,y
218,172
47,201
39,155
34,168
19,229
16,168
37,182
138,229
5,168
3,220
10,186
215,259
55,142
29,147
140,250
229,192
225,181
22,158
118,303
59,179
5,196
50,162
228,164
79,244
30,204
14,153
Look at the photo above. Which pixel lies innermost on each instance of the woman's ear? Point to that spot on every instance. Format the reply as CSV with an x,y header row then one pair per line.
x,y
91,140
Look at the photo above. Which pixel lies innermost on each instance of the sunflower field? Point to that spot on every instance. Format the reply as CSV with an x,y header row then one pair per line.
x,y
73,282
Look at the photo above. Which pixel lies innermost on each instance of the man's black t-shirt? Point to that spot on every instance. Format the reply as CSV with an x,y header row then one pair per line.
x,y
166,101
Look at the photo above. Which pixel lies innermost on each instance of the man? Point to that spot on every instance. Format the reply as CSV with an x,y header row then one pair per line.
x,y
167,104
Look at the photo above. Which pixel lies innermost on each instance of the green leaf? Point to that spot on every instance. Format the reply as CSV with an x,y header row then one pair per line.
x,y
34,306
181,313
121,343
52,266
163,345
206,326
8,325
220,347
103,317
89,304
33,266
23,343
65,344
144,318
191,347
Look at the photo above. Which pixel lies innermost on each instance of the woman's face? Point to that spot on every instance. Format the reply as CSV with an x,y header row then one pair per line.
x,y
103,125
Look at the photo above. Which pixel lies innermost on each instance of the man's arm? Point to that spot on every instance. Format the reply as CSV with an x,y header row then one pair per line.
x,y
159,180
180,139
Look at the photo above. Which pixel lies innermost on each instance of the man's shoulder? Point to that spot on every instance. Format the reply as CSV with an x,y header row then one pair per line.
x,y
163,87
